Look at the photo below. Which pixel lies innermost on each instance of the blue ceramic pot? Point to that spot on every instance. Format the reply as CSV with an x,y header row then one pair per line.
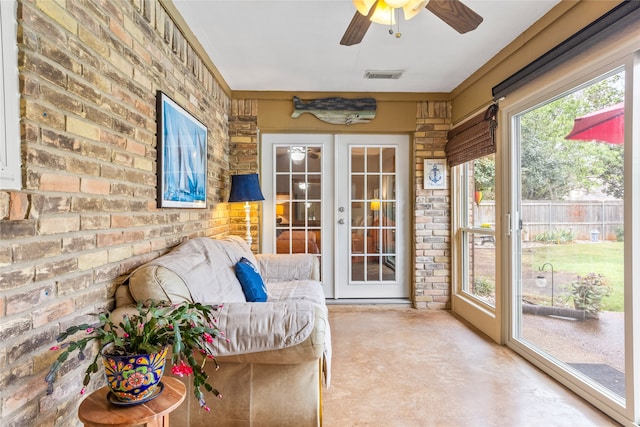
x,y
135,378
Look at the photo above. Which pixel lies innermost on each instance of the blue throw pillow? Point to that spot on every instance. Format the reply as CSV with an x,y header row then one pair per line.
x,y
251,281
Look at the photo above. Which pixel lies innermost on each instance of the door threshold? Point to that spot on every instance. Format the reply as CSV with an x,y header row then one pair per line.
x,y
370,301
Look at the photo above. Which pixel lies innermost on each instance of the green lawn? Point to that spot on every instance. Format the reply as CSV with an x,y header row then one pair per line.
x,y
571,260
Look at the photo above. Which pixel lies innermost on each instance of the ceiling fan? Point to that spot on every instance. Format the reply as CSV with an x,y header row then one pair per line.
x,y
458,16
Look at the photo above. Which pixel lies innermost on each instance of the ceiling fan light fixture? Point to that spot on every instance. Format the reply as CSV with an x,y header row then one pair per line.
x,y
383,14
413,7
364,6
396,4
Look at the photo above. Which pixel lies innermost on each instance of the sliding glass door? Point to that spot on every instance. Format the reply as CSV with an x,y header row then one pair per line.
x,y
570,232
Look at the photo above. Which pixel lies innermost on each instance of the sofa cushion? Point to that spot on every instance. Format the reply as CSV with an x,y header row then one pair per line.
x,y
251,281
282,267
298,290
199,270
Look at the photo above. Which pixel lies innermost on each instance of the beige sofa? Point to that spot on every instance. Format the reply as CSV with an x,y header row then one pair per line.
x,y
279,352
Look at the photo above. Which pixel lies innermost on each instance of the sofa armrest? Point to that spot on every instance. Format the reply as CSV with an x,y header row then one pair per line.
x,y
284,267
259,327
252,328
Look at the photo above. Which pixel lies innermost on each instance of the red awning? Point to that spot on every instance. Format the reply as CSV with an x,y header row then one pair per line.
x,y
606,125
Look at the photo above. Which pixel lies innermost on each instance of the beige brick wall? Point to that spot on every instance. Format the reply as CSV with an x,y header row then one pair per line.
x,y
89,72
244,155
432,211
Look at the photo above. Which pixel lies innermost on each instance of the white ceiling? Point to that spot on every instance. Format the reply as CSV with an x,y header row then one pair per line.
x,y
293,45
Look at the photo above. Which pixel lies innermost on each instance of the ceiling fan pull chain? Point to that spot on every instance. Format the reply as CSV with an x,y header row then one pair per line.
x,y
397,33
391,21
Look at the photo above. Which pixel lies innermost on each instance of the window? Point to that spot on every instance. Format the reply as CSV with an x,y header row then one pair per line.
x,y
10,177
477,253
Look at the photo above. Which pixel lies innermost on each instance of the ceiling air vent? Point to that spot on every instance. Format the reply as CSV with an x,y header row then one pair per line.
x,y
373,74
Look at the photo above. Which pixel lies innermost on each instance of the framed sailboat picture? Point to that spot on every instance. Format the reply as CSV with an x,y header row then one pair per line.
x,y
182,157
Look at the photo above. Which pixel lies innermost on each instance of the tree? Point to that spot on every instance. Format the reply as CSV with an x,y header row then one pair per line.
x,y
551,166
484,173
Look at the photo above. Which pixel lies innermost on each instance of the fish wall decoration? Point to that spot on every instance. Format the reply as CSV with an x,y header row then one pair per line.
x,y
337,111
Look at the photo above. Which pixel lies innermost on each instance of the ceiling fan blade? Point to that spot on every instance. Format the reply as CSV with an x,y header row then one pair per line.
x,y
460,17
357,28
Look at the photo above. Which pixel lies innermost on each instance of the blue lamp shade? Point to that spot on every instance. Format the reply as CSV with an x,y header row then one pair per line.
x,y
245,188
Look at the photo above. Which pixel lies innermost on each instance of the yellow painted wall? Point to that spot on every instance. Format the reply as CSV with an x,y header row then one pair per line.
x,y
395,113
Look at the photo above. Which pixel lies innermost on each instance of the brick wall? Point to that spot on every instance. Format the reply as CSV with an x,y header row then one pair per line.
x,y
432,211
87,215
243,159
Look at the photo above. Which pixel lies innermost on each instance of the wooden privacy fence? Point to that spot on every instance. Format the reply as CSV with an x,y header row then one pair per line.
x,y
589,220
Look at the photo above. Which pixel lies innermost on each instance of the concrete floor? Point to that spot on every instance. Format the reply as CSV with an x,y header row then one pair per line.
x,y
405,367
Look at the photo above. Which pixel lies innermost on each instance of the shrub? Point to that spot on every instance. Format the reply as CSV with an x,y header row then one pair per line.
x,y
587,293
483,287
557,236
619,234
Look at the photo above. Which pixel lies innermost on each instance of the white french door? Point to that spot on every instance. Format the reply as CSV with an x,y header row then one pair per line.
x,y
372,199
345,199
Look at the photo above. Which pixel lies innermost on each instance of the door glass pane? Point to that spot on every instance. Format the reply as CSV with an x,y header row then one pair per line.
x,y
282,185
298,158
388,187
571,287
373,207
357,160
314,187
357,187
373,159
314,162
388,160
282,163
299,187
373,186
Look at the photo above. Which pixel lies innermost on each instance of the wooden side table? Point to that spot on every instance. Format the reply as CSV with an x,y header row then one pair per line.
x,y
96,411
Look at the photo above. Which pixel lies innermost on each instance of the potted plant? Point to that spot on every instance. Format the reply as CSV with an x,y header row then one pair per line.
x,y
587,293
134,350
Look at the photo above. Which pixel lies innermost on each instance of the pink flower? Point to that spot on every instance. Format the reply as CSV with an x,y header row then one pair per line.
x,y
54,348
206,408
84,389
89,330
208,338
126,335
181,369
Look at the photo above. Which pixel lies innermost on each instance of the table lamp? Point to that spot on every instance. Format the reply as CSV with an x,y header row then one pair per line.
x,y
246,188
